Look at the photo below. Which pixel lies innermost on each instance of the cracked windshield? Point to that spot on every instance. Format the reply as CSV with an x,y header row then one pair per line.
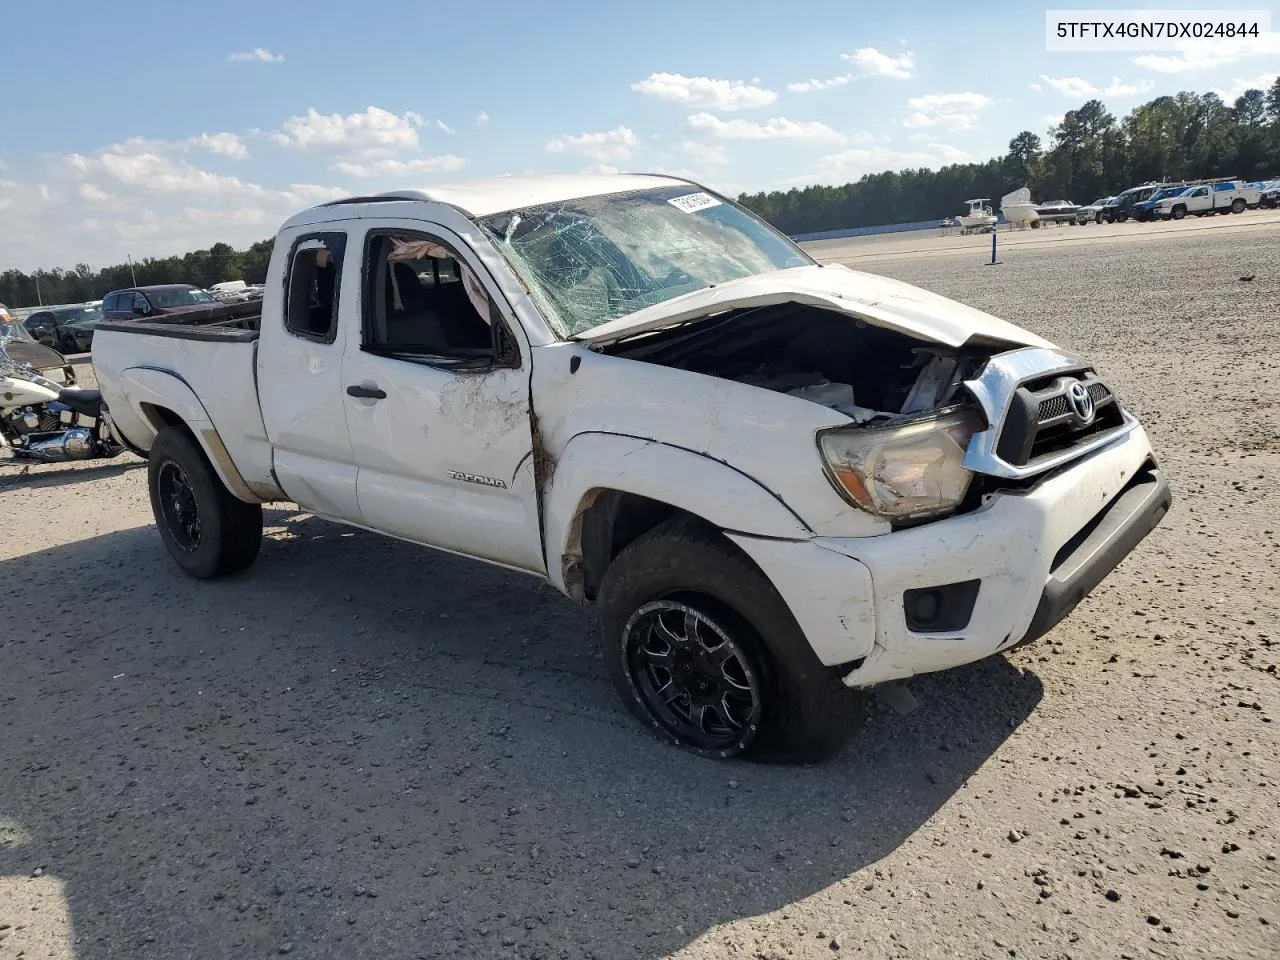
x,y
593,260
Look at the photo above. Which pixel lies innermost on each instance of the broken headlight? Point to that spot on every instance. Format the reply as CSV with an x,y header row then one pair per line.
x,y
904,471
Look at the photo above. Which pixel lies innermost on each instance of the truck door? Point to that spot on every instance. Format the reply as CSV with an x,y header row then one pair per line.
x,y
437,397
300,382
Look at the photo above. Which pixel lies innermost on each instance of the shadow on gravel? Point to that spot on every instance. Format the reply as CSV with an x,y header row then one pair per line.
x,y
16,474
364,749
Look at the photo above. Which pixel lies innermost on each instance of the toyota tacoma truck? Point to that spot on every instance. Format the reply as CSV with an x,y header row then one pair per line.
x,y
780,482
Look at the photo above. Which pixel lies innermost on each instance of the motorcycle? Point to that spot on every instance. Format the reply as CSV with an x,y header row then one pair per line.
x,y
42,421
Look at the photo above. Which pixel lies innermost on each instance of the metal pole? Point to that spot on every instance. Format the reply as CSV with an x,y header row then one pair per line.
x,y
993,245
132,275
39,298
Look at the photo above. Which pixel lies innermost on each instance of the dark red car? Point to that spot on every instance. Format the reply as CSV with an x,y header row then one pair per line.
x,y
173,303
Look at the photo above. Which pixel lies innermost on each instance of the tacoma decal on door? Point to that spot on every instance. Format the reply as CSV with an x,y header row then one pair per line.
x,y
475,478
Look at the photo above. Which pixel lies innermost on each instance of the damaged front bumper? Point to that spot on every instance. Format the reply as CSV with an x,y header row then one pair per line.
x,y
957,590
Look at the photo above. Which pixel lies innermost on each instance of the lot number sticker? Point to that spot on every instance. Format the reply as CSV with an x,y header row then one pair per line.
x,y
693,202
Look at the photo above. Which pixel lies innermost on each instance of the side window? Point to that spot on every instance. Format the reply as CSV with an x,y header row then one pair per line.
x,y
421,300
312,290
109,304
140,304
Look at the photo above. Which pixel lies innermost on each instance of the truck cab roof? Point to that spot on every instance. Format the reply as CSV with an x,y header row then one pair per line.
x,y
490,195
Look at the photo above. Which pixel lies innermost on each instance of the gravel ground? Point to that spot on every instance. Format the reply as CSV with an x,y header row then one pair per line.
x,y
364,749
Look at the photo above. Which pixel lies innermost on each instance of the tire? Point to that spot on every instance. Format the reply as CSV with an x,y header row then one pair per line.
x,y
1098,218
688,581
1179,212
208,532
1238,205
68,345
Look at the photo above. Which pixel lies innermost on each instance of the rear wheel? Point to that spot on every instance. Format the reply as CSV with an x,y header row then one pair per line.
x,y
208,532
704,651
1098,218
1238,205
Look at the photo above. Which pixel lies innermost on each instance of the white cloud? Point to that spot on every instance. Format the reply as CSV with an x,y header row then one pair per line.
x,y
371,132
1035,86
1070,86
1118,88
778,128
872,63
91,193
482,118
1051,120
1194,56
704,92
705,154
603,168
1261,82
811,86
951,111
448,163
445,127
848,165
146,198
608,146
223,144
259,54
1079,87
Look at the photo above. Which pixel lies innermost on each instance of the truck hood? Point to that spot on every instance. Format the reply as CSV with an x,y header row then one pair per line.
x,y
877,300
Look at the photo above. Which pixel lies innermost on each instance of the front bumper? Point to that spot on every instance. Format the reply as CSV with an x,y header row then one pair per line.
x,y
1036,553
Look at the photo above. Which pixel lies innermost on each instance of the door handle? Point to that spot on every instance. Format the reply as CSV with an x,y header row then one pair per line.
x,y
368,393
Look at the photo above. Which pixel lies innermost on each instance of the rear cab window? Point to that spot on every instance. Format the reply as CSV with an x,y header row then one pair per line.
x,y
313,286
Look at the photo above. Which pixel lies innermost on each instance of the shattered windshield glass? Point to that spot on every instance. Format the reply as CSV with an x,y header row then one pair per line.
x,y
592,260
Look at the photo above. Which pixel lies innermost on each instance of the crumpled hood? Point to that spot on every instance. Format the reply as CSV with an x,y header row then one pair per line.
x,y
875,299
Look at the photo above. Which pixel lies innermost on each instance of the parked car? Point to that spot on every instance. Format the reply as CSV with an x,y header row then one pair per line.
x,y
1090,213
780,482
1269,196
70,329
1145,210
23,348
1121,208
173,303
1227,196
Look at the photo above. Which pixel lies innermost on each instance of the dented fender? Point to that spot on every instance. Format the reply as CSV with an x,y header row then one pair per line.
x,y
144,386
691,481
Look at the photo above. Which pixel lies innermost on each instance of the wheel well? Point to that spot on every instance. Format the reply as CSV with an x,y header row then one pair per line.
x,y
161,417
611,521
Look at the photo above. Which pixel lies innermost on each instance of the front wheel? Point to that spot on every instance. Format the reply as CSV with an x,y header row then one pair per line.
x,y
208,532
704,651
1179,212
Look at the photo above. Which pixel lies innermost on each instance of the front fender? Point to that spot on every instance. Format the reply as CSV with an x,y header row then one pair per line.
x,y
690,481
147,389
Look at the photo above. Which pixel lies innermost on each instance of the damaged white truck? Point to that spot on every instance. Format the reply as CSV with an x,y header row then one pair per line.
x,y
781,483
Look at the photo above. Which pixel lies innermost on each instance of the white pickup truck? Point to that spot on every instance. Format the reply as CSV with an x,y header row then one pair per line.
x,y
780,482
1224,196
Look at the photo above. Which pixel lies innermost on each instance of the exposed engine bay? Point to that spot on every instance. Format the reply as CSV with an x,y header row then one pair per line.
x,y
866,372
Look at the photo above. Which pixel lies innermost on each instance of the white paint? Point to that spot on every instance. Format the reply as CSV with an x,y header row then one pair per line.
x,y
743,458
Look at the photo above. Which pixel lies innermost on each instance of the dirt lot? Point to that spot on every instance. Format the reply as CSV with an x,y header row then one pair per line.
x,y
364,749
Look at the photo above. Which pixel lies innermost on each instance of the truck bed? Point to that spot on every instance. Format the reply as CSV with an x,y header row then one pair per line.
x,y
217,362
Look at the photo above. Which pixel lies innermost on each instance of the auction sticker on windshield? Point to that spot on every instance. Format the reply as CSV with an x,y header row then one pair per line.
x,y
693,202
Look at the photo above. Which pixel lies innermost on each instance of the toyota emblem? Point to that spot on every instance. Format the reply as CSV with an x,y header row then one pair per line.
x,y
1081,402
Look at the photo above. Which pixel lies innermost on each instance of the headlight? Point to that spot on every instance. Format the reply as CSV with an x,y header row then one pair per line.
x,y
902,472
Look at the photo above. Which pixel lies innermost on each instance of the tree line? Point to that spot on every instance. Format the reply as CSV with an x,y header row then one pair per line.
x,y
1090,154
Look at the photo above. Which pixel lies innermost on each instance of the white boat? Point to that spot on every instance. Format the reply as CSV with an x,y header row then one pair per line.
x,y
979,218
1018,208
